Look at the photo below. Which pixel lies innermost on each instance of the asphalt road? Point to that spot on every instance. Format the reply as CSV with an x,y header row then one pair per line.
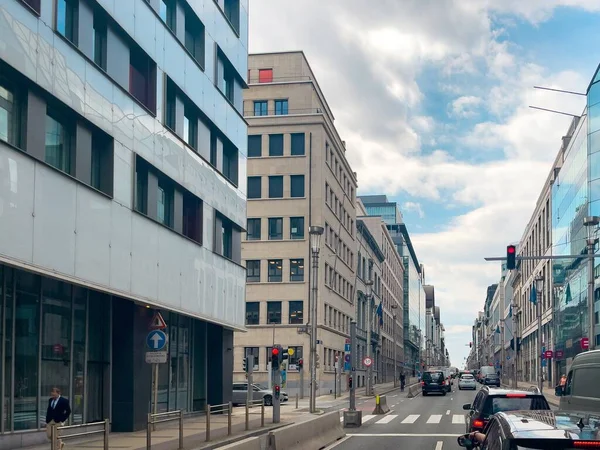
x,y
424,423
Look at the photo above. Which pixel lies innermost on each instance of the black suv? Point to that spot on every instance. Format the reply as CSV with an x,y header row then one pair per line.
x,y
491,401
434,381
549,430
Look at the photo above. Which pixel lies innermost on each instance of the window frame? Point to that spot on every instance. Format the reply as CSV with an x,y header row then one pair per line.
x,y
283,105
270,313
13,109
248,190
100,39
58,116
275,151
252,140
253,236
71,20
273,178
297,266
277,275
198,50
261,106
278,223
303,147
268,75
296,178
253,313
295,321
256,267
297,236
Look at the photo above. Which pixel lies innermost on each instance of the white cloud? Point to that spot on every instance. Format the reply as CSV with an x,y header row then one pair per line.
x,y
413,206
368,61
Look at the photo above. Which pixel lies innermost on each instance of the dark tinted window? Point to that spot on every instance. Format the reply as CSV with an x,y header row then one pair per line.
x,y
585,382
498,404
433,377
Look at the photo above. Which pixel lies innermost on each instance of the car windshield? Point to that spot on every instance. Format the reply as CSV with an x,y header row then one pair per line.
x,y
494,405
433,377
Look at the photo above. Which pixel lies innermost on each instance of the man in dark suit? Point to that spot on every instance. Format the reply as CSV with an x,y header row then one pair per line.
x,y
58,412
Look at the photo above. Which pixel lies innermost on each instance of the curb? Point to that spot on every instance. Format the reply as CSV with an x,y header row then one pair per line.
x,y
232,439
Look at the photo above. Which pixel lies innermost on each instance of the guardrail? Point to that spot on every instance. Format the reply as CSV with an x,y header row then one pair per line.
x,y
218,409
56,436
255,404
163,417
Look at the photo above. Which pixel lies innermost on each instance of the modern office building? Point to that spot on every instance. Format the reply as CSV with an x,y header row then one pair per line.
x,y
298,176
122,193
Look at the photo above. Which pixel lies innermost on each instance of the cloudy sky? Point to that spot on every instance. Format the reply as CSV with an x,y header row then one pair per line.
x,y
432,98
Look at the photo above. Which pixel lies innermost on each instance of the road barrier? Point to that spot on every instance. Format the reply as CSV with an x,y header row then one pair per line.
x,y
253,443
381,406
414,390
312,434
56,433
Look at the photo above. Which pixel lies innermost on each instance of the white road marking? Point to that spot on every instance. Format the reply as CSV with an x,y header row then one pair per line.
x,y
411,419
403,435
387,419
451,398
435,418
458,418
439,445
448,412
367,418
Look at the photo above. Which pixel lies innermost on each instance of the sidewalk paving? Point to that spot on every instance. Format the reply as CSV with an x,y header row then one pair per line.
x,y
548,392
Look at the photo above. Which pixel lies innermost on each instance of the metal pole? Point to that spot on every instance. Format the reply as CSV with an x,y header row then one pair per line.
x,y
515,352
275,401
106,433
591,334
369,384
313,332
262,413
207,423
155,396
247,416
181,429
335,366
149,433
353,363
53,433
502,353
296,400
539,340
395,363
302,383
229,412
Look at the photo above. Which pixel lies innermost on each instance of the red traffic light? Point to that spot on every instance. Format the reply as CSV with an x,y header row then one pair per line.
x,y
511,249
275,352
300,361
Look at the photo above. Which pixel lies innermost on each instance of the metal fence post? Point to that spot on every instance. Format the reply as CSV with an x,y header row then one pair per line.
x,y
207,423
149,433
229,413
106,432
262,413
247,416
181,429
53,433
297,399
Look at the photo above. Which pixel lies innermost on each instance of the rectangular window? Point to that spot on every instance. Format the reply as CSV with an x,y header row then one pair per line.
x,y
58,143
253,271
297,144
297,185
252,314
9,115
194,36
225,76
66,19
192,217
100,39
164,203
281,107
102,162
253,230
296,312
297,269
190,126
276,186
261,108
296,227
255,146
33,4
274,312
276,145
232,12
265,75
168,13
226,238
230,162
254,187
275,228
142,78
275,270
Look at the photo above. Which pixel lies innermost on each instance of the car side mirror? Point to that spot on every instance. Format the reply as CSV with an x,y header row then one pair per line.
x,y
467,406
464,441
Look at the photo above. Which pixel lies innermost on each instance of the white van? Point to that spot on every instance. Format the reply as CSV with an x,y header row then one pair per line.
x,y
582,391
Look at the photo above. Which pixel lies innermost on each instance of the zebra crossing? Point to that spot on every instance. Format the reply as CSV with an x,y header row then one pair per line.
x,y
454,419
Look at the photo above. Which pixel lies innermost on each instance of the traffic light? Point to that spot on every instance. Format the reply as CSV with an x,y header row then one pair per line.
x,y
275,357
277,391
300,363
285,354
511,253
245,364
350,381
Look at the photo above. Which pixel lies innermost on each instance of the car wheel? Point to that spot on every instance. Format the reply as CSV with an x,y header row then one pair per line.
x,y
444,393
424,393
268,400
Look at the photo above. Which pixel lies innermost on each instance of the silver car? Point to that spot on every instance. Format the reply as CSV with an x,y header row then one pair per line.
x,y
467,381
259,392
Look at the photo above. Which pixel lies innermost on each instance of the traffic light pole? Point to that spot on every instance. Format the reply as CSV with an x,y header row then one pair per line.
x,y
276,402
353,364
313,331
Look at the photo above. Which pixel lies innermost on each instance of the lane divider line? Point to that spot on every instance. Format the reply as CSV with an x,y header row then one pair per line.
x,y
439,445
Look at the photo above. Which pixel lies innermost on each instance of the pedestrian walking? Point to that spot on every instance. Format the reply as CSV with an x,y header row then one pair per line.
x,y
402,381
57,413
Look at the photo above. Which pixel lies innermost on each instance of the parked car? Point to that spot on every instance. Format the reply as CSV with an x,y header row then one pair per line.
x,y
491,401
434,381
466,381
488,370
582,391
491,379
240,392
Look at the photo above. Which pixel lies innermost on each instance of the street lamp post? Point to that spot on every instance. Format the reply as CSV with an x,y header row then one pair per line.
x,y
315,233
394,307
539,288
369,384
589,222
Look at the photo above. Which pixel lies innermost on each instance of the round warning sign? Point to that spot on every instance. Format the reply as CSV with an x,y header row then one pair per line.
x,y
367,361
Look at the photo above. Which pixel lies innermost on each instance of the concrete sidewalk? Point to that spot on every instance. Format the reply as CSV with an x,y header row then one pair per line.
x,y
548,392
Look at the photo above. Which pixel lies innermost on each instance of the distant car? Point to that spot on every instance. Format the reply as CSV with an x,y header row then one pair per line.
x,y
491,379
240,392
434,381
491,401
467,381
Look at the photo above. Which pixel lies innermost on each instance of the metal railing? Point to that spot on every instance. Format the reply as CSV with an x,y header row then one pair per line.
x,y
56,436
218,409
255,404
154,419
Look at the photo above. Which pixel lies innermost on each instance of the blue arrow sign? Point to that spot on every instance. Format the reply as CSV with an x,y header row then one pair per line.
x,y
156,340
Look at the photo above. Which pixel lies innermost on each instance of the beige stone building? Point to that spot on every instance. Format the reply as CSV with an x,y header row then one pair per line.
x,y
298,176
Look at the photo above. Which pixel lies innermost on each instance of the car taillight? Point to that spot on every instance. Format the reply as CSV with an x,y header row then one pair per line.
x,y
444,383
586,444
478,423
422,383
516,395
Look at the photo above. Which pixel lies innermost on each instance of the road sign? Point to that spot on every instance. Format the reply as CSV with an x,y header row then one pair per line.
x,y
347,348
367,362
156,340
156,357
559,354
347,357
290,351
157,322
508,357
585,343
302,330
346,366
548,354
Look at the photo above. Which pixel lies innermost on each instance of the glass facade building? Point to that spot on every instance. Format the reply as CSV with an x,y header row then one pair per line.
x,y
575,195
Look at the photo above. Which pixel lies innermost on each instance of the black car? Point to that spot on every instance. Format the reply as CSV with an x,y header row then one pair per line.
x,y
491,379
491,401
434,381
522,430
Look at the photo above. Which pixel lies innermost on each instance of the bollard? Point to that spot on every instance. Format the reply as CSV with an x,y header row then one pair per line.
x,y
229,413
262,413
207,423
53,436
296,400
181,429
106,432
247,416
149,433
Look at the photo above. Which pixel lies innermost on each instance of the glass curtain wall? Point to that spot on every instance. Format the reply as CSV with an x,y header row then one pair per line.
x,y
47,340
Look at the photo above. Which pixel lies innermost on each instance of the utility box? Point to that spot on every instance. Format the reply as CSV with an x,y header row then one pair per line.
x,y
352,419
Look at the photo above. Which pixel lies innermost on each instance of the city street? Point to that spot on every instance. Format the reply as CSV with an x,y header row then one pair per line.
x,y
425,423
